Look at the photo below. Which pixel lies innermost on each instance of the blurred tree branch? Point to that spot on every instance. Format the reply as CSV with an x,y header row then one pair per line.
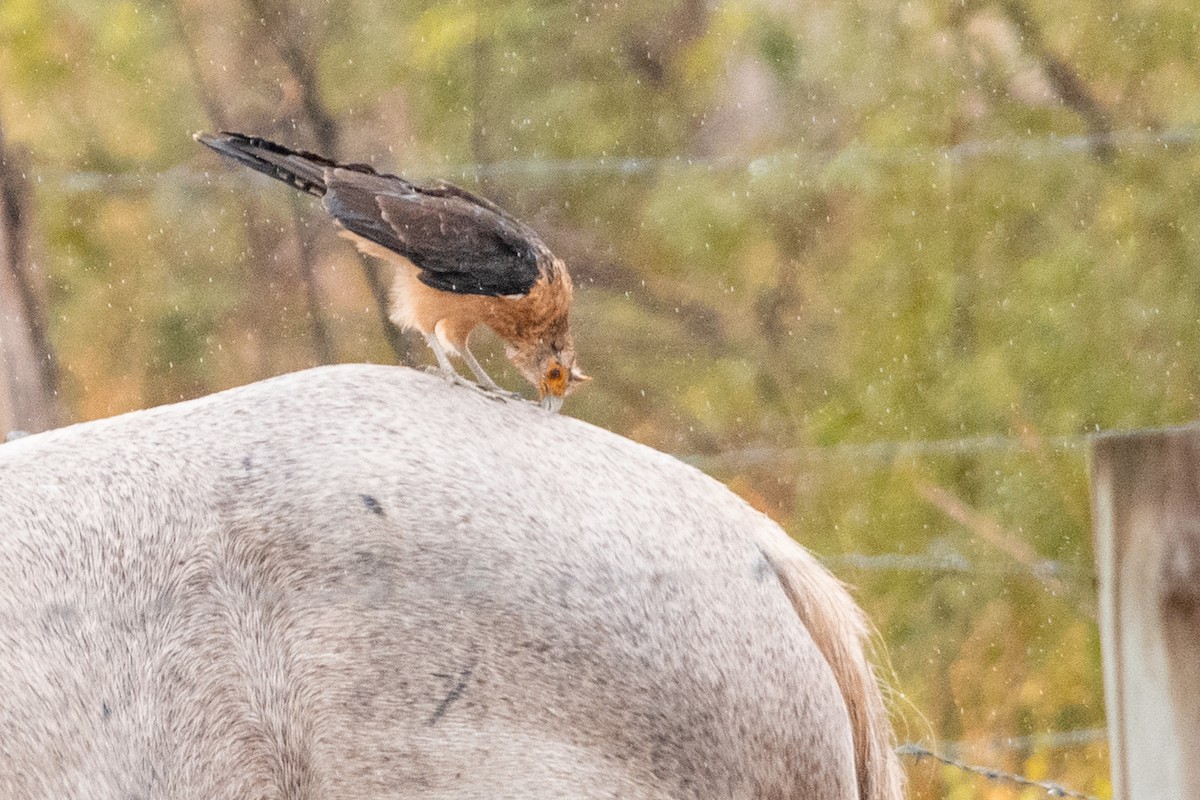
x,y
1071,90
298,56
481,57
287,43
212,109
300,60
990,531
651,50
322,344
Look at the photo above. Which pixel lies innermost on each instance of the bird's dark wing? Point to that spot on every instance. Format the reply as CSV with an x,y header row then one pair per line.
x,y
459,242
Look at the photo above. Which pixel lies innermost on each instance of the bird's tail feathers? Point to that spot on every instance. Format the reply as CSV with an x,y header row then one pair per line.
x,y
304,171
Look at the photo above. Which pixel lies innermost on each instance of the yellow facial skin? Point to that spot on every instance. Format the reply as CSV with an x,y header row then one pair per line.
x,y
554,381
557,382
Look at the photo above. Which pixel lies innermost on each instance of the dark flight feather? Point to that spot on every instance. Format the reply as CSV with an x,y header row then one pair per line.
x,y
460,242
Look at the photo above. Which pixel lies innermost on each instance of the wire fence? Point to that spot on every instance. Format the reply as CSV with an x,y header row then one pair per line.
x,y
938,563
1051,740
792,163
888,450
884,453
919,753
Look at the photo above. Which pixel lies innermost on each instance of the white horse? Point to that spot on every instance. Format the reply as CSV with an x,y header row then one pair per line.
x,y
364,582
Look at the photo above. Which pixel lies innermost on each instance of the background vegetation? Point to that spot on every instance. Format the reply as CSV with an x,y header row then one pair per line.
x,y
880,266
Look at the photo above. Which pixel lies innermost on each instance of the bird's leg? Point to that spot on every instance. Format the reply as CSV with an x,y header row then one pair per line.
x,y
489,389
442,359
484,379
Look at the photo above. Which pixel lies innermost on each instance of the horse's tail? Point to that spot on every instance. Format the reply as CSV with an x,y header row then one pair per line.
x,y
840,631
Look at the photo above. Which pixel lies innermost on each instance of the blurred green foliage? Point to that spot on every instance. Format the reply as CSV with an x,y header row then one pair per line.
x,y
878,265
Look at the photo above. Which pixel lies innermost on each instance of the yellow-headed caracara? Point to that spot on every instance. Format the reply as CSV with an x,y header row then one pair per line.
x,y
462,261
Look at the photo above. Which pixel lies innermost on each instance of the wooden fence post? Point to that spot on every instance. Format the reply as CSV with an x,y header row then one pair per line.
x,y
1146,522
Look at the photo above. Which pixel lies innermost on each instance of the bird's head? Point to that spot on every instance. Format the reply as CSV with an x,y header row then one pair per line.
x,y
550,367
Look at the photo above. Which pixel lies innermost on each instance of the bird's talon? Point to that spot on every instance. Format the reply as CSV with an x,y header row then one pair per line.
x,y
491,393
503,394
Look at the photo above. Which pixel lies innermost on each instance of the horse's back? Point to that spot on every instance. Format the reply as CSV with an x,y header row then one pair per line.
x,y
362,582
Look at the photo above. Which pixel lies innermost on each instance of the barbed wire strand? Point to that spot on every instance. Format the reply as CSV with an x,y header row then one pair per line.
x,y
953,563
919,752
788,162
1049,740
885,450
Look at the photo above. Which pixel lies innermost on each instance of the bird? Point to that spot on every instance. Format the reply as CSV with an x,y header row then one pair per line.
x,y
462,261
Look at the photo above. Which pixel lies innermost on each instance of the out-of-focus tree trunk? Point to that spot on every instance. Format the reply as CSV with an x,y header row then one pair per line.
x,y
323,348
28,369
300,57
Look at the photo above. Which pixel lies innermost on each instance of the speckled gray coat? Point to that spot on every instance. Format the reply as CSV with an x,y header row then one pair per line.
x,y
363,582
